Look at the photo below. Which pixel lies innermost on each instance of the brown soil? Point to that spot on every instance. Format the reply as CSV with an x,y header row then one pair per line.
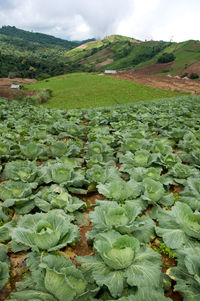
x,y
83,248
175,296
167,263
195,68
108,61
176,188
104,53
7,92
145,76
17,269
83,46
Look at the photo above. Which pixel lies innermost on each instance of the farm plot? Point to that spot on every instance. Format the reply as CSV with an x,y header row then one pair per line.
x,y
100,204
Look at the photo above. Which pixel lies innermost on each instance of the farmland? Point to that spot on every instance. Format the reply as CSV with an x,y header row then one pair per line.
x,y
83,90
101,203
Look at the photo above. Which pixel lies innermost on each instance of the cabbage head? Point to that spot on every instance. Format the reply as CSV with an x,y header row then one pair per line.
x,y
120,261
119,190
24,171
17,195
122,218
57,197
45,231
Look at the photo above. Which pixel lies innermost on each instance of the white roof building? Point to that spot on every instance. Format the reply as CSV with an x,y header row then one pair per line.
x,y
15,86
110,72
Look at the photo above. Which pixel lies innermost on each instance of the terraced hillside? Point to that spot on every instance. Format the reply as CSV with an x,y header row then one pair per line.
x,y
100,204
120,53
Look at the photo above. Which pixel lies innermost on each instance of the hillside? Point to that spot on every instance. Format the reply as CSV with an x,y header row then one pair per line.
x,y
36,55
122,53
82,90
28,54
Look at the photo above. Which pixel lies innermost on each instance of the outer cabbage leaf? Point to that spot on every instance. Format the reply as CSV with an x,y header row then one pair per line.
x,y
153,191
141,158
179,227
15,190
139,173
57,197
187,273
18,195
159,147
145,295
120,190
33,150
4,266
45,231
53,278
58,149
122,218
99,174
191,193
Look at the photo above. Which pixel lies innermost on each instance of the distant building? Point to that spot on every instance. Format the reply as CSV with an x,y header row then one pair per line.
x,y
110,72
15,86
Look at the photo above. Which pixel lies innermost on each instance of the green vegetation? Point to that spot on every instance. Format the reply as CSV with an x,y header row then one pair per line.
x,y
193,75
163,249
32,55
90,90
124,160
166,58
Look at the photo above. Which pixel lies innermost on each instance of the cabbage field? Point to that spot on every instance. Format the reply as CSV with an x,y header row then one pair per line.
x,y
100,204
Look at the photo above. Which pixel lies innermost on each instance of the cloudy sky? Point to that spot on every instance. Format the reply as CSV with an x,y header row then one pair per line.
x,y
178,20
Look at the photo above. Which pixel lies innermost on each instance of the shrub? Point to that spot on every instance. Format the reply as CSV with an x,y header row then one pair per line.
x,y
184,74
44,95
193,75
166,58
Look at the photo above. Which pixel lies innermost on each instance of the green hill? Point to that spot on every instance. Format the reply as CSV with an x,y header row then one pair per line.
x,y
28,54
120,53
82,90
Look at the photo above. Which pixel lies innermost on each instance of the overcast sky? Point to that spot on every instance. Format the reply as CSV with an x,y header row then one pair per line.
x,y
178,20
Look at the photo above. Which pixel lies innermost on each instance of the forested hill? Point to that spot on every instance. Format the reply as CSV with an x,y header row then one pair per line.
x,y
33,55
34,37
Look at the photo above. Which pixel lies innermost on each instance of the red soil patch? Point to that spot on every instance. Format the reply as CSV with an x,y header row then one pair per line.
x,y
104,53
144,76
7,92
82,248
195,68
108,61
176,188
155,68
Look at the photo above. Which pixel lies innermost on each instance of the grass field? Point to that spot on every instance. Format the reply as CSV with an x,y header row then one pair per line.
x,y
82,90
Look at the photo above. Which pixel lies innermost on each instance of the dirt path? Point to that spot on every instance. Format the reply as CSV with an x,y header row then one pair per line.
x,y
144,76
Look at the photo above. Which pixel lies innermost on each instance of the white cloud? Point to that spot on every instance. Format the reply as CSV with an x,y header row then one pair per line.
x,y
81,19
